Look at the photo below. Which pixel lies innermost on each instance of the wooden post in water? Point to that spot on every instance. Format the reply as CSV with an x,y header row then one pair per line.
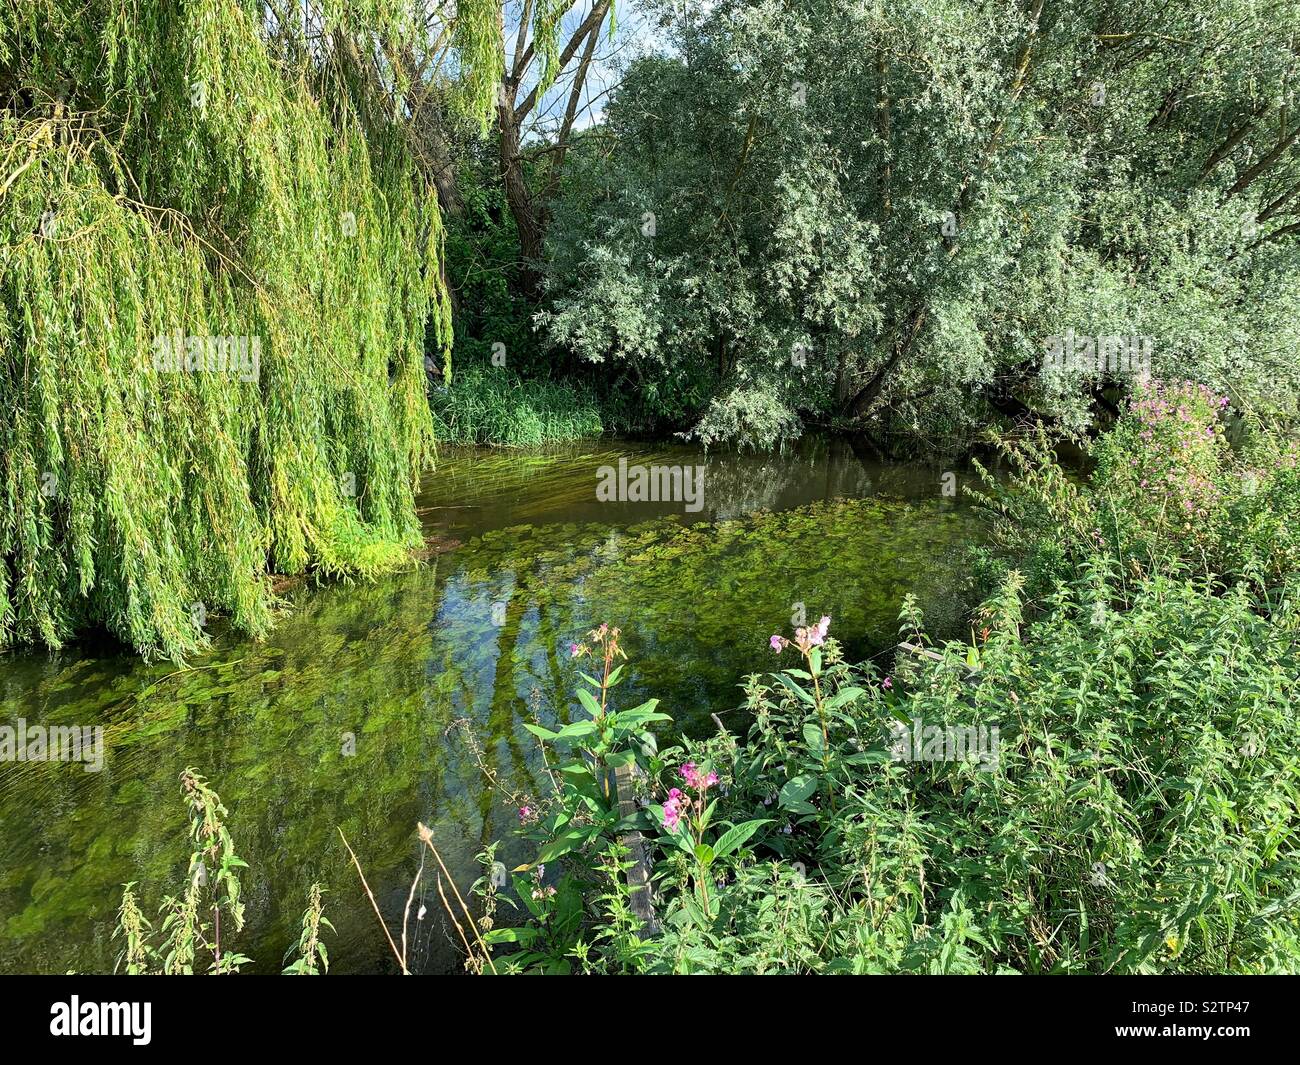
x,y
638,877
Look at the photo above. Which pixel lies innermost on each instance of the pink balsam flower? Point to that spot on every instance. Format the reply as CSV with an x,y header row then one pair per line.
x,y
673,809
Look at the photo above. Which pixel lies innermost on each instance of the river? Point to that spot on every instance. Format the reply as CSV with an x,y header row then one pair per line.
x,y
360,711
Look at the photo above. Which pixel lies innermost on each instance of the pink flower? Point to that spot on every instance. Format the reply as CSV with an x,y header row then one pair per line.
x,y
673,810
815,636
886,684
573,650
525,812
695,779
776,642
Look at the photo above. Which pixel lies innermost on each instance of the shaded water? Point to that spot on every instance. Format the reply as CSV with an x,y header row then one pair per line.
x,y
346,717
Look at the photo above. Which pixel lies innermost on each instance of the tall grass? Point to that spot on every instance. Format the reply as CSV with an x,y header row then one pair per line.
x,y
489,406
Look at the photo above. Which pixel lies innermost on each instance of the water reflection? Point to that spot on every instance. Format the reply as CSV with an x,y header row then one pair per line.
x,y
387,670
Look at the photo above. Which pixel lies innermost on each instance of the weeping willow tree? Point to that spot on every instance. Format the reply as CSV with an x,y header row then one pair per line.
x,y
220,259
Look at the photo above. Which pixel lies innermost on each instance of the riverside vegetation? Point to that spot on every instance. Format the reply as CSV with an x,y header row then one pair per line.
x,y
239,242
1135,667
1139,651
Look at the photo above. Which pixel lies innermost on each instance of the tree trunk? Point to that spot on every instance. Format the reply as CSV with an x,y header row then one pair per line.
x,y
519,197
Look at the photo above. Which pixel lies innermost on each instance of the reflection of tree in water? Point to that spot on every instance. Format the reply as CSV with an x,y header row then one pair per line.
x,y
397,663
266,724
476,491
698,602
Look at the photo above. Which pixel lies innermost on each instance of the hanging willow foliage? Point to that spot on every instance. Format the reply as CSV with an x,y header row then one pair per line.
x,y
477,35
216,272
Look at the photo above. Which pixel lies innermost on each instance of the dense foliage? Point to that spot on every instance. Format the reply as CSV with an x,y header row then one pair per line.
x,y
882,213
1169,494
219,267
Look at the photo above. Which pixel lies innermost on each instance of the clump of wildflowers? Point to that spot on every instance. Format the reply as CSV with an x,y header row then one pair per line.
x,y
696,779
805,638
1163,468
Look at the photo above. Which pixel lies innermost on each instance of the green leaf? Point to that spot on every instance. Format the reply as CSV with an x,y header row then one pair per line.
x,y
789,683
565,844
735,838
576,730
896,711
537,730
843,696
589,702
797,790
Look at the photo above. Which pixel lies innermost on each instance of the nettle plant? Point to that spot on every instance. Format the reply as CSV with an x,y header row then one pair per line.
x,y
1170,494
189,936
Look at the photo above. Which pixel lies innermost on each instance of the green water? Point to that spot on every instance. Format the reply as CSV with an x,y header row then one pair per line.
x,y
478,635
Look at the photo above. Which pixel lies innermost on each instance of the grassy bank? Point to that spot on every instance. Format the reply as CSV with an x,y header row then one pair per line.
x,y
490,406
